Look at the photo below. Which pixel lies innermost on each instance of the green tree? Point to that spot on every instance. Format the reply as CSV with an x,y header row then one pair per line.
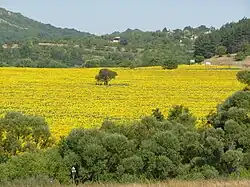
x,y
233,160
23,133
161,155
157,114
205,45
212,148
46,165
181,114
245,48
221,50
240,56
235,107
105,75
170,62
231,35
133,165
26,49
199,59
244,77
190,146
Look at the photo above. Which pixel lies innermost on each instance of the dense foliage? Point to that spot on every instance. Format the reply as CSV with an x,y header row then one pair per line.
x,y
230,38
170,63
155,148
244,77
22,133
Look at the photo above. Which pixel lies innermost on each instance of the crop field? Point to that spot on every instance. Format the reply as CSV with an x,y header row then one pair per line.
x,y
69,98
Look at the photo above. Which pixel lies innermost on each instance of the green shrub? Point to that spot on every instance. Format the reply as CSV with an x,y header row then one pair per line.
x,y
245,48
221,50
209,172
199,59
157,114
244,77
240,56
170,62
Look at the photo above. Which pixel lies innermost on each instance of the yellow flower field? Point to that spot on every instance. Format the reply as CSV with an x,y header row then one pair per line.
x,y
69,98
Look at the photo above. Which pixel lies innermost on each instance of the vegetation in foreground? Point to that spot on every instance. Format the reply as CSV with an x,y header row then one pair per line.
x,y
157,148
69,98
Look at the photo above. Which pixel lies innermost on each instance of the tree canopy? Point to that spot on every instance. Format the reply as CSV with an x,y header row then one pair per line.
x,y
170,63
235,37
244,77
23,133
105,75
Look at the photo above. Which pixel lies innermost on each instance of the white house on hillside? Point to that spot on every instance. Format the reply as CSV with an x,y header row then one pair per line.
x,y
116,39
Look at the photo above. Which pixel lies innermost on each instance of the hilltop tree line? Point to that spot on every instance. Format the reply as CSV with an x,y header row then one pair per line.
x,y
71,48
155,148
230,38
16,27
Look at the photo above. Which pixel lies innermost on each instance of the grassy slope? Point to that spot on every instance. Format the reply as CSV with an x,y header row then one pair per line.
x,y
183,184
228,61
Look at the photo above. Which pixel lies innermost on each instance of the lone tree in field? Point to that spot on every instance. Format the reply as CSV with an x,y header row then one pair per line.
x,y
105,75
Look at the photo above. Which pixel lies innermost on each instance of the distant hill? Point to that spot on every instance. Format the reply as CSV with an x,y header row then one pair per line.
x,y
29,43
15,26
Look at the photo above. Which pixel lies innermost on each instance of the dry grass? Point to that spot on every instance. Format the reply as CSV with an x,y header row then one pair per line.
x,y
172,183
229,61
240,183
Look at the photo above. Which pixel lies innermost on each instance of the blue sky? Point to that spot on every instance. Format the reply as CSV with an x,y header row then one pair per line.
x,y
107,16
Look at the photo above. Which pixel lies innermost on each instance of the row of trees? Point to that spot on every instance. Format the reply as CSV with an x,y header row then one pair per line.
x,y
155,148
30,54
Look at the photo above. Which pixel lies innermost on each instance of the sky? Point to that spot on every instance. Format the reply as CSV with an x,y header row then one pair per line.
x,y
107,16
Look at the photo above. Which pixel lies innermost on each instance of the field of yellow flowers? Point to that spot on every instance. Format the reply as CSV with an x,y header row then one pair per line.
x,y
69,98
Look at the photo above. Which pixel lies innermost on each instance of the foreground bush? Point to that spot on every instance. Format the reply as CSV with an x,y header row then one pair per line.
x,y
21,133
